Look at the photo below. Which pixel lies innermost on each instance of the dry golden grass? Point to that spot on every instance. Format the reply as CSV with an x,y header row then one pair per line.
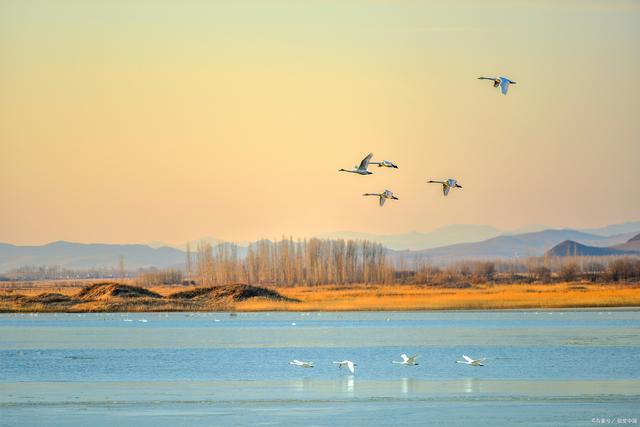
x,y
405,298
358,297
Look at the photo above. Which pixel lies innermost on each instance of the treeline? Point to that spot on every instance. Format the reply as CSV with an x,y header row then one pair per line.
x,y
141,276
317,262
54,272
155,276
527,270
288,262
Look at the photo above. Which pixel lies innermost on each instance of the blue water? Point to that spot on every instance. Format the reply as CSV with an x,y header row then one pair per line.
x,y
542,368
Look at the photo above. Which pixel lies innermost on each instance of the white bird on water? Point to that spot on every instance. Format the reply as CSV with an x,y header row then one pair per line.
x,y
407,360
447,185
503,82
383,196
385,163
348,363
362,168
301,363
469,361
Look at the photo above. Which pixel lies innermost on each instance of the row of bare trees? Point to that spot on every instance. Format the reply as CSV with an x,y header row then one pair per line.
x,y
526,270
155,276
54,272
316,261
288,262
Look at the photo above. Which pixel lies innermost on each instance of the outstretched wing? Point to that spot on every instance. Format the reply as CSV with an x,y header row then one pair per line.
x,y
350,366
504,86
467,358
382,200
364,164
445,189
404,357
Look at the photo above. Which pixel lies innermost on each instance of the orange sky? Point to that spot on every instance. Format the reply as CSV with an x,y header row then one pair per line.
x,y
144,121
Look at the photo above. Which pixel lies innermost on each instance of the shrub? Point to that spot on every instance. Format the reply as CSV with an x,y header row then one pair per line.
x,y
568,271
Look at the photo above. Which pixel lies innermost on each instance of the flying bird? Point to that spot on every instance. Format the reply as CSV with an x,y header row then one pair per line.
x,y
385,163
301,363
348,363
407,360
447,185
469,361
503,82
383,196
362,168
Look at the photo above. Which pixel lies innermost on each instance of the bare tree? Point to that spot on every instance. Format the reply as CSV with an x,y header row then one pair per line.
x,y
121,271
189,261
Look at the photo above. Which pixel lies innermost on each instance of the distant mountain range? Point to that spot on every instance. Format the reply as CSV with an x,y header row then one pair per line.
x,y
442,236
573,248
472,242
511,246
84,256
451,234
467,233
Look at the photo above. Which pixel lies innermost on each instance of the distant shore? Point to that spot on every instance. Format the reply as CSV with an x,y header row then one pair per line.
x,y
117,297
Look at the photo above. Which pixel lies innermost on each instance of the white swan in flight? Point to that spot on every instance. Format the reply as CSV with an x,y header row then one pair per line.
x,y
385,163
447,185
348,363
362,168
301,363
383,196
469,361
503,82
407,360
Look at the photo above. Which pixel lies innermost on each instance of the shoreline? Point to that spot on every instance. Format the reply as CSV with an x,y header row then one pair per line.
x,y
117,297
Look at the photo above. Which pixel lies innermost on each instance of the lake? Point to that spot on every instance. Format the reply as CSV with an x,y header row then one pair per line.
x,y
579,367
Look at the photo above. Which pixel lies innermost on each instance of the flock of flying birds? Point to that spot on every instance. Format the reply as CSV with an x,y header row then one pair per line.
x,y
447,184
406,360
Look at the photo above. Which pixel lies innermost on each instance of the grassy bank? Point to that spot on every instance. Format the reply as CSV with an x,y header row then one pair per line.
x,y
52,298
481,297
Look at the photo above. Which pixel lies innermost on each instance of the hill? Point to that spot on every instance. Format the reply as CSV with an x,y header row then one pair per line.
x,y
632,244
571,248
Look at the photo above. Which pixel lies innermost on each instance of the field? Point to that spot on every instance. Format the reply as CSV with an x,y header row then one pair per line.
x,y
72,296
395,297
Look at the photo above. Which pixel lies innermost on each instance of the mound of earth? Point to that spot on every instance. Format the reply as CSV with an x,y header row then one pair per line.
x,y
12,297
230,293
102,291
50,298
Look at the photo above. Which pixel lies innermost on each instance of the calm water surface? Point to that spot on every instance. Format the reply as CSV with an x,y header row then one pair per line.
x,y
543,368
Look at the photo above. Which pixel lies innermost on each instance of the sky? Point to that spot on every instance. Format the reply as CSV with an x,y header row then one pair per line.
x,y
138,121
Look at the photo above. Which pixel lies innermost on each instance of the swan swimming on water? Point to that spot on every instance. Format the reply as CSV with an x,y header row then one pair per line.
x,y
362,168
447,185
469,361
407,360
503,82
348,363
383,196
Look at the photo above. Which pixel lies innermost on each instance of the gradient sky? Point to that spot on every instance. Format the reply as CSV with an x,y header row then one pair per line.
x,y
137,121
